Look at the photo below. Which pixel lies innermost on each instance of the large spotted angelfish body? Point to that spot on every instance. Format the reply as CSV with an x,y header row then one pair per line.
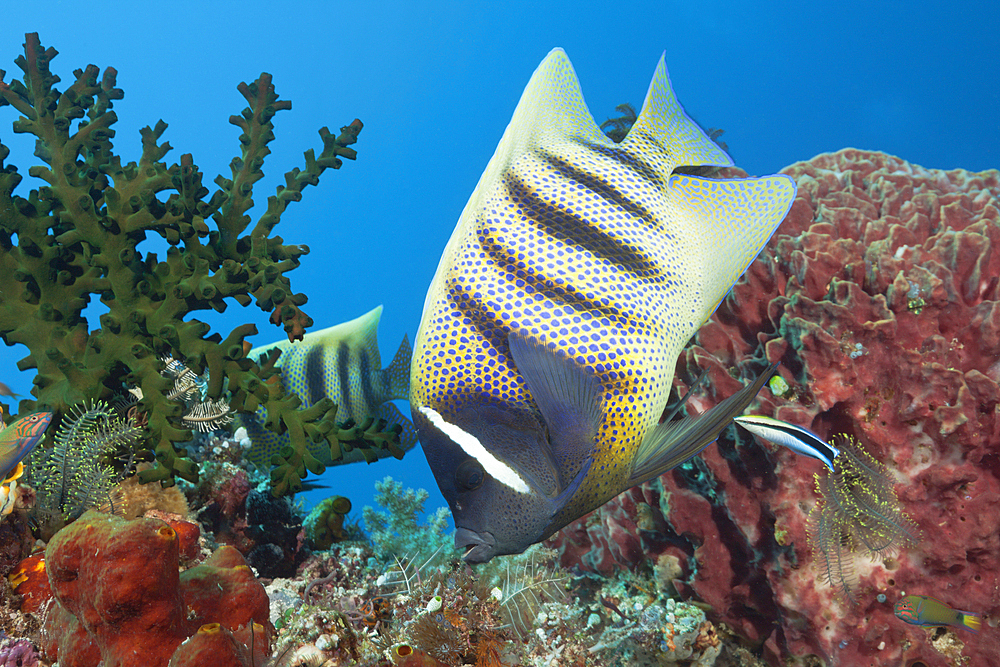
x,y
576,273
341,363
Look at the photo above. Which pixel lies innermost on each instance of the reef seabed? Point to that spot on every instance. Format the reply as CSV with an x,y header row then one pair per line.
x,y
878,295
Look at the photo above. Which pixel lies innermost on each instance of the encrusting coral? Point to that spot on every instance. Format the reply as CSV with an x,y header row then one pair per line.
x,y
324,525
119,596
77,237
880,296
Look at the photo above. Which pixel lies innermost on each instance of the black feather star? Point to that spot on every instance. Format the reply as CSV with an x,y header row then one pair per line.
x,y
857,510
80,471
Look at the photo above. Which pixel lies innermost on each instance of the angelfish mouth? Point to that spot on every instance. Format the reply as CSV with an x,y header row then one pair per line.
x,y
478,547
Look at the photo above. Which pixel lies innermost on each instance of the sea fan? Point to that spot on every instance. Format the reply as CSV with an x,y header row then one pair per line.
x,y
857,509
79,472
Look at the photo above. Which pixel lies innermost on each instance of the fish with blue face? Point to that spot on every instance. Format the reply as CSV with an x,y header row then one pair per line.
x,y
341,363
927,611
577,272
17,440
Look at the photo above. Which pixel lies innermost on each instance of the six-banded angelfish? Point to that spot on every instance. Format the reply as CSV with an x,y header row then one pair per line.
x,y
799,440
925,610
577,272
342,363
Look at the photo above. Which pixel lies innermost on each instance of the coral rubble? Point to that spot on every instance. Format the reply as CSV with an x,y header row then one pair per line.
x,y
879,296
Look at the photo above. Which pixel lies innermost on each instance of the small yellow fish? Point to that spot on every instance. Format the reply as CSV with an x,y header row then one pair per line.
x,y
577,272
925,610
342,363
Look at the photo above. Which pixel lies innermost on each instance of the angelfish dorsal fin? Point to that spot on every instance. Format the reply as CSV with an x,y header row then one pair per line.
x,y
551,111
680,139
552,108
397,374
568,397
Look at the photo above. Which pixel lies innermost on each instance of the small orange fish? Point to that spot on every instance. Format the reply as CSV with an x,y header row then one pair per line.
x,y
925,610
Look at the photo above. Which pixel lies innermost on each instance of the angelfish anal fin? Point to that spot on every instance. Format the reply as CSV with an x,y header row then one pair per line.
x,y
672,443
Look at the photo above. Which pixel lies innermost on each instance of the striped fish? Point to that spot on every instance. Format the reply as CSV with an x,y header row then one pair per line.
x,y
927,611
18,438
577,272
796,438
343,364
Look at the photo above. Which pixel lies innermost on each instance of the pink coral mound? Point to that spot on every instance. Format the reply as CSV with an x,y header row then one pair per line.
x,y
879,296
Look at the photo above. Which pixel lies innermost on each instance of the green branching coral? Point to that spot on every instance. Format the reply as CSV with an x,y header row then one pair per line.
x,y
617,128
77,237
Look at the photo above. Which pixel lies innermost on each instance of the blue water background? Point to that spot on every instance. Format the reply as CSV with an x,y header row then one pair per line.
x,y
435,85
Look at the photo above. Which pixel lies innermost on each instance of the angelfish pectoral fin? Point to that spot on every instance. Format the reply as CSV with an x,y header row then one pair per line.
x,y
564,498
672,443
569,398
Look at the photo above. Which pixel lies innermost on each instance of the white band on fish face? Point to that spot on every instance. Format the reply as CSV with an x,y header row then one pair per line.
x,y
496,468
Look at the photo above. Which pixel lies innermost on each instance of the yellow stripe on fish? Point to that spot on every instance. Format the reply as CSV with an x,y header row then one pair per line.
x,y
577,272
341,363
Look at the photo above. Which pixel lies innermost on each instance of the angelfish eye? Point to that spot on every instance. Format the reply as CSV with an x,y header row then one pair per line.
x,y
470,475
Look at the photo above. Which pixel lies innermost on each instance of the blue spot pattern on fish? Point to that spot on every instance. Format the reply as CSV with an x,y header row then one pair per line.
x,y
576,274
